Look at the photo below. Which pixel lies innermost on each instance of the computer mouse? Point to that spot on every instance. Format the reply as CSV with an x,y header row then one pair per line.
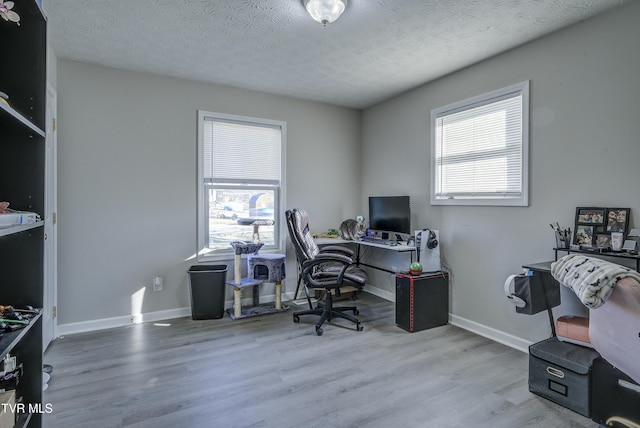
x,y
393,244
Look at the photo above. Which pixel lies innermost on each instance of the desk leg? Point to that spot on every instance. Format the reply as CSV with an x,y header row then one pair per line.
x,y
278,295
551,321
237,302
549,309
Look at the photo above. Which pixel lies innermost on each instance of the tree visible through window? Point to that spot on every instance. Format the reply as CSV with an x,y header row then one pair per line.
x,y
240,170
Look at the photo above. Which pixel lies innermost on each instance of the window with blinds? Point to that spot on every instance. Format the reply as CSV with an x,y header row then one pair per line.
x,y
480,149
240,177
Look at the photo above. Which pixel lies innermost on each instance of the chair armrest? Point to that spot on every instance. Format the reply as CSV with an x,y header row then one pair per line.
x,y
334,257
336,280
322,259
336,249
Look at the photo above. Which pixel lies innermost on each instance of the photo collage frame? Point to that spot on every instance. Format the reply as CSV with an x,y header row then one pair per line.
x,y
594,225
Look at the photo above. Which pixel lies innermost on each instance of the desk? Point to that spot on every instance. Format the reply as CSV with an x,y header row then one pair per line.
x,y
620,255
400,248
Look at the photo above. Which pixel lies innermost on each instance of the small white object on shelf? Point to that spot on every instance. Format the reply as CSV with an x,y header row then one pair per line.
x,y
17,218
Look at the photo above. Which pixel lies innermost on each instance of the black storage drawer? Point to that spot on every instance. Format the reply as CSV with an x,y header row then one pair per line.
x,y
561,372
613,393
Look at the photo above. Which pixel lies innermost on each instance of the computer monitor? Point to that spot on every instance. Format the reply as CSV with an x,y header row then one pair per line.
x,y
390,214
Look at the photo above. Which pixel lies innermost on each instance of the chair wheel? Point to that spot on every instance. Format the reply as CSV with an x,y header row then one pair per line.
x,y
359,327
356,312
319,331
296,319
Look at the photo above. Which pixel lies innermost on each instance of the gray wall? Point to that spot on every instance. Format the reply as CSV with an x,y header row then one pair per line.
x,y
127,181
127,159
584,151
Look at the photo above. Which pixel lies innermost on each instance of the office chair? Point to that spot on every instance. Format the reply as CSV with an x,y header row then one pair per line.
x,y
325,269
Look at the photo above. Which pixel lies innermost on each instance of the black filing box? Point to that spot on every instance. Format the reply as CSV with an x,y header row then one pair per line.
x,y
613,393
561,372
422,301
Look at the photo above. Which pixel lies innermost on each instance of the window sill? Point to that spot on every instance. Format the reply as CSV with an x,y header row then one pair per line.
x,y
230,255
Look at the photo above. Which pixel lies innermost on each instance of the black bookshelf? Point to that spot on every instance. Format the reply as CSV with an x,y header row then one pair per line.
x,y
22,184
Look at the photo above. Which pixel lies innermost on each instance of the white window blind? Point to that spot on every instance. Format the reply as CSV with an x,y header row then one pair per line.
x,y
479,150
241,170
237,152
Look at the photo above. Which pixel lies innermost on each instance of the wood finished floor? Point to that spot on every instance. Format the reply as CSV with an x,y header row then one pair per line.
x,y
269,372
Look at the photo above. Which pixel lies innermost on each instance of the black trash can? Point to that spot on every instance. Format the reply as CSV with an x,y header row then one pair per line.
x,y
207,291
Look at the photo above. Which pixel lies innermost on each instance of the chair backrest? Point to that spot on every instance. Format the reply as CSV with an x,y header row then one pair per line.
x,y
300,235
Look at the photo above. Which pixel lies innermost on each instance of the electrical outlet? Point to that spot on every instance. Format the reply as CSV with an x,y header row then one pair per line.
x,y
157,283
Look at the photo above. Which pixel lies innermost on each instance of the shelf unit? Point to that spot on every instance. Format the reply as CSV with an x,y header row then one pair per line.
x,y
626,256
22,184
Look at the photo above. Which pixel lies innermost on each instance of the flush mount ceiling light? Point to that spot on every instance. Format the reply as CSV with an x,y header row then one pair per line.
x,y
325,11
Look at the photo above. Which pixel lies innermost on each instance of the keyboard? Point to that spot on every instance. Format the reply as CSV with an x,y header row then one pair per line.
x,y
377,240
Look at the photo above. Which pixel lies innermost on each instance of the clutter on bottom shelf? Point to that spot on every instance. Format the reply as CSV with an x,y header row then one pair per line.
x,y
10,375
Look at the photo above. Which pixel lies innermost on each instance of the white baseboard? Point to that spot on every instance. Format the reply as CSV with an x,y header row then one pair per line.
x,y
104,323
472,326
490,333
93,325
387,295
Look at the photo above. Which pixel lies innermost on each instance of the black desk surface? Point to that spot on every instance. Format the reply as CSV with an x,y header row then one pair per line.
x,y
539,267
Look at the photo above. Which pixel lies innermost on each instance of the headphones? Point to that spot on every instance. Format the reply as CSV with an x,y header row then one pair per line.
x,y
509,285
432,241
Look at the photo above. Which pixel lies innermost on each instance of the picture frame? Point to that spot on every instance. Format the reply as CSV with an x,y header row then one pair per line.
x,y
585,234
589,222
603,240
590,215
617,220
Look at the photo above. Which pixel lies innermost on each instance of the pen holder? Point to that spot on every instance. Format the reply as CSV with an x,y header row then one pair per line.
x,y
562,241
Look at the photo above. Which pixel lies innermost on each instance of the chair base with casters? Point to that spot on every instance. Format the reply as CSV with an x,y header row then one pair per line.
x,y
327,312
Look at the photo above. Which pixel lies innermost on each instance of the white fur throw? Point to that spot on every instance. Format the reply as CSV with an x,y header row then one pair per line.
x,y
591,278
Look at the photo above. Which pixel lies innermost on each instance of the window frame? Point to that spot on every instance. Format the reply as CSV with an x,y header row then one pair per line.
x,y
203,254
518,89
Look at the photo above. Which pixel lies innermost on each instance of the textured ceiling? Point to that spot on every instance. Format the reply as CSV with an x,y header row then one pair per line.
x,y
377,49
